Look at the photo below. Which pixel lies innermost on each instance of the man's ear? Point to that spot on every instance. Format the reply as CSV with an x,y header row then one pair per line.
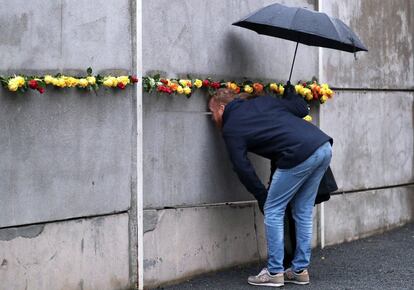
x,y
222,107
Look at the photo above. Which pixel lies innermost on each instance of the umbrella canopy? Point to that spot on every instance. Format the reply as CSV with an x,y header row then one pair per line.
x,y
302,26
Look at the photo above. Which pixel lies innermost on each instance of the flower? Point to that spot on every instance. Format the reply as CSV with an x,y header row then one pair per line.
x,y
185,83
48,79
281,89
121,85
83,83
206,83
233,86
173,86
258,87
198,83
180,89
110,81
12,85
123,79
187,90
41,90
323,99
134,79
248,89
215,85
91,80
308,118
20,81
33,84
274,87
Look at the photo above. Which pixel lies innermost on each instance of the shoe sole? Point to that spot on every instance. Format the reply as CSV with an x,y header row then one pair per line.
x,y
297,282
266,284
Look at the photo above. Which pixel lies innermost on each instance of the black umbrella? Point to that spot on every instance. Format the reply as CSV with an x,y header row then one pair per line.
x,y
304,26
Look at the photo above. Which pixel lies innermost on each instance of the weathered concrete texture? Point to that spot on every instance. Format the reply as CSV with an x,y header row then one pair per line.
x,y
64,34
198,170
197,37
64,154
190,241
360,214
373,138
88,254
387,29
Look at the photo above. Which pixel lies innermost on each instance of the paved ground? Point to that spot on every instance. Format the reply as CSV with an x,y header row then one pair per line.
x,y
380,262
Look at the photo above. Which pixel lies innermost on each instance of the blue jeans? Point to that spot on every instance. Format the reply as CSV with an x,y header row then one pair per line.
x,y
297,185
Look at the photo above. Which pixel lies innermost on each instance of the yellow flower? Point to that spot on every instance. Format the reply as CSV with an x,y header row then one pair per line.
x,y
232,86
324,86
330,93
20,81
308,118
180,89
12,85
184,83
248,89
123,79
281,89
299,89
61,82
274,87
92,80
187,90
48,79
198,83
108,82
323,99
83,83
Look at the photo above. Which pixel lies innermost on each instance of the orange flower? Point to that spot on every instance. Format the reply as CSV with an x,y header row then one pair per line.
x,y
258,87
173,86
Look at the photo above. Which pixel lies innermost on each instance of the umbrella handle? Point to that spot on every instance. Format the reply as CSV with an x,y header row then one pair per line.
x,y
294,57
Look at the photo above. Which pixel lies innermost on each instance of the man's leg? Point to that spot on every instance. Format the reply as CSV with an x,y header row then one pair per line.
x,y
285,183
290,237
302,208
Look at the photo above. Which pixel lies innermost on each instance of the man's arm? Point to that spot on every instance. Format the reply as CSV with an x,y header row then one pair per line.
x,y
237,150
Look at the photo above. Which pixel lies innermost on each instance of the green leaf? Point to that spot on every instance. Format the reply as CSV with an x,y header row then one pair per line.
x,y
89,71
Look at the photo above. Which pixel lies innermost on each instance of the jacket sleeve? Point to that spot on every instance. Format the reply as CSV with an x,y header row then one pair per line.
x,y
237,150
295,104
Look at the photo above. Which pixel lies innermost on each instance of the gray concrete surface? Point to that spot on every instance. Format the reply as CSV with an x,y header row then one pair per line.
x,y
85,254
378,262
387,29
66,153
373,138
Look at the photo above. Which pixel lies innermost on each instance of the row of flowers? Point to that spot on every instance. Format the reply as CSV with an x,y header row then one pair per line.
x,y
22,83
310,90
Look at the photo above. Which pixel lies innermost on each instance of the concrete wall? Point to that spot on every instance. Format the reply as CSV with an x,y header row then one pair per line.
x,y
67,154
372,121
188,178
194,202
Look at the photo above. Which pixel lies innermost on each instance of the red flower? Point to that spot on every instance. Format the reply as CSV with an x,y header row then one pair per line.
x,y
165,89
164,81
121,86
215,85
41,90
33,84
206,83
134,79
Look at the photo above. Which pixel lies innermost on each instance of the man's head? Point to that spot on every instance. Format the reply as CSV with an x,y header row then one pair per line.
x,y
218,102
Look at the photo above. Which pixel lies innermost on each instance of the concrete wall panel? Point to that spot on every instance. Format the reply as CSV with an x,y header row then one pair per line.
x,y
83,254
197,37
56,35
357,215
198,169
373,138
183,242
387,29
64,154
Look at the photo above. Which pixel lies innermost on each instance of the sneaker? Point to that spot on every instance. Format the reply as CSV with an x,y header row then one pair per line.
x,y
265,279
297,278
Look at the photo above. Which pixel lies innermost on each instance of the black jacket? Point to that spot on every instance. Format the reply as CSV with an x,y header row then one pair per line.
x,y
272,128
